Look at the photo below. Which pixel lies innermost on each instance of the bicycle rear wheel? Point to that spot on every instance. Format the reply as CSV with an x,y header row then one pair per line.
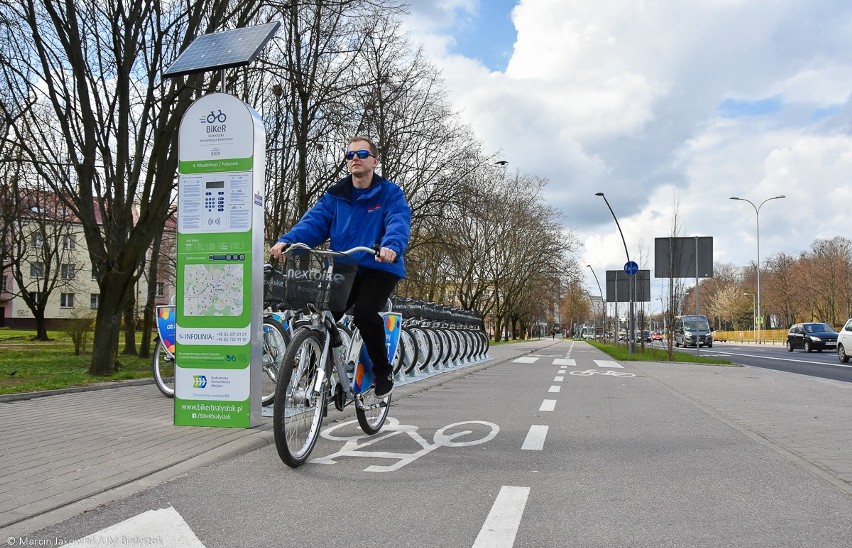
x,y
274,347
408,352
372,412
163,365
297,410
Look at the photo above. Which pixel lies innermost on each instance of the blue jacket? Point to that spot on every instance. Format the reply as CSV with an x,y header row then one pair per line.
x,y
379,216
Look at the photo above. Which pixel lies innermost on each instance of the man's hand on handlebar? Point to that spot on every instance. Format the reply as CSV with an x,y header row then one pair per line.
x,y
278,249
386,255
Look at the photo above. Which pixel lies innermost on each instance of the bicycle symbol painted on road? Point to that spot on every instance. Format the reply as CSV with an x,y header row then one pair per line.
x,y
590,372
356,444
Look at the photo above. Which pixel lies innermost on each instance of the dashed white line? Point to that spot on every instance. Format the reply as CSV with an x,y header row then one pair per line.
x,y
525,359
558,378
535,438
547,405
608,363
563,361
554,388
501,525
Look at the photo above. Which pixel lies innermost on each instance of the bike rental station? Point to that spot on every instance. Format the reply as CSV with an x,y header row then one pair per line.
x,y
216,333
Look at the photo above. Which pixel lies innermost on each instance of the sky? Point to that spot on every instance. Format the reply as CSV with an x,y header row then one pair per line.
x,y
668,107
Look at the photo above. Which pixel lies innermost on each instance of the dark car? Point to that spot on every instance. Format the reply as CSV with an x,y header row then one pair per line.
x,y
811,336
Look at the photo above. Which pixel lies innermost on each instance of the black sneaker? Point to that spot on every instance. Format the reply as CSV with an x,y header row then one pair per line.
x,y
384,386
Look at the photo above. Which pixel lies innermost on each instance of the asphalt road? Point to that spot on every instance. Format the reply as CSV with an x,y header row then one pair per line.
x,y
553,445
816,364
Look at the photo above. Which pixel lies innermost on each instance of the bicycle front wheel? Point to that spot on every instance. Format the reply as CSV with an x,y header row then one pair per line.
x,y
163,365
297,411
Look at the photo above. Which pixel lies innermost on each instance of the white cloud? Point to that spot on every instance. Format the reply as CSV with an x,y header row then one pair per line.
x,y
624,97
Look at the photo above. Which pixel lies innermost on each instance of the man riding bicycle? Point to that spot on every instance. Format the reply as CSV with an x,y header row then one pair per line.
x,y
362,209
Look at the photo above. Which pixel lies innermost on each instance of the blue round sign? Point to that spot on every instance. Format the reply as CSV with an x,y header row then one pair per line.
x,y
631,267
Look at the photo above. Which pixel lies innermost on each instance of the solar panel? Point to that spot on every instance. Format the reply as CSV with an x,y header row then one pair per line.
x,y
221,50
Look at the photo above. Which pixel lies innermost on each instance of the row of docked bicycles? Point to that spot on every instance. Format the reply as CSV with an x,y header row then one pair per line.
x,y
310,361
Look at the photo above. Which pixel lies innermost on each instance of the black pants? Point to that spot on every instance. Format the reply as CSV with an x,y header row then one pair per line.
x,y
370,292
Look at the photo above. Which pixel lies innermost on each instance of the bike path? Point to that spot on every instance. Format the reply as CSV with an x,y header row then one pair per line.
x,y
641,454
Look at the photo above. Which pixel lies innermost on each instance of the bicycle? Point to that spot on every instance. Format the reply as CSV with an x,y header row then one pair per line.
x,y
276,335
318,365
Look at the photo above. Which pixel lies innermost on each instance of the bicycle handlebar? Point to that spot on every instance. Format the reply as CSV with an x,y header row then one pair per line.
x,y
355,249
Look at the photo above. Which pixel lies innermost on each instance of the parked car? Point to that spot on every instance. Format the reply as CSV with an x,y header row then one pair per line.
x,y
844,342
811,336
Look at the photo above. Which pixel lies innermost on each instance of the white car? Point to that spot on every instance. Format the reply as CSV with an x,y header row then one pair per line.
x,y
844,342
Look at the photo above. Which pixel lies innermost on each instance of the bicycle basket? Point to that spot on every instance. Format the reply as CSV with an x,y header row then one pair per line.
x,y
307,277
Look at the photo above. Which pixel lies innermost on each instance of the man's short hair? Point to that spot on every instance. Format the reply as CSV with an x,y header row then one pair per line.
x,y
373,148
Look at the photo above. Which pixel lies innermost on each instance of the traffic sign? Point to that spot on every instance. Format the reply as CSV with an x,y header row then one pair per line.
x,y
631,267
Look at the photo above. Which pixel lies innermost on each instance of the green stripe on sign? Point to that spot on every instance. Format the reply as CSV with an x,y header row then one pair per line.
x,y
216,166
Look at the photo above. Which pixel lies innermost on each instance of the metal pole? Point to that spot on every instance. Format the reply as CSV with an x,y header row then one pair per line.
x,y
631,336
603,303
697,341
758,316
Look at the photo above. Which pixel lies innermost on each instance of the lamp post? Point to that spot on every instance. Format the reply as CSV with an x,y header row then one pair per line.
x,y
753,316
603,303
631,333
758,316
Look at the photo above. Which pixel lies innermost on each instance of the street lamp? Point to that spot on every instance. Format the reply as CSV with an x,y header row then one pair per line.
x,y
753,316
757,220
631,334
603,303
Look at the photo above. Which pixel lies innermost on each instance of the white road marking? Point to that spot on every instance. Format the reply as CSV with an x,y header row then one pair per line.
x,y
535,438
554,388
563,361
525,359
501,525
608,363
558,378
547,405
164,527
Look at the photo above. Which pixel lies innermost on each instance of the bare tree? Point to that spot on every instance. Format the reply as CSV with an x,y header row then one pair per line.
x,y
40,245
113,120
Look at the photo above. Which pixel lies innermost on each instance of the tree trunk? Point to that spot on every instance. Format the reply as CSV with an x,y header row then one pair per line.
x,y
108,322
150,299
41,329
130,325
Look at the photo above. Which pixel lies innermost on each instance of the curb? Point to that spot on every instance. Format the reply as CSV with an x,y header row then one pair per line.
x,y
21,396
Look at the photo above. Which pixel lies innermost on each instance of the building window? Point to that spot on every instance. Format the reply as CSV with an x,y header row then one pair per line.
x,y
70,242
36,270
4,283
66,300
67,271
161,289
93,301
37,240
35,296
94,274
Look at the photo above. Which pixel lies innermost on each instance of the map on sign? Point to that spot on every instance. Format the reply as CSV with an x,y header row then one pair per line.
x,y
208,290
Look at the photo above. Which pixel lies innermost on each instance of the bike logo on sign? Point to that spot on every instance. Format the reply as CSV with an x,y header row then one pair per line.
x,y
354,447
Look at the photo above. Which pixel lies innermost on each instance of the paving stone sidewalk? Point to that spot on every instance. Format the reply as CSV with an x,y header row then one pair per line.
x,y
62,449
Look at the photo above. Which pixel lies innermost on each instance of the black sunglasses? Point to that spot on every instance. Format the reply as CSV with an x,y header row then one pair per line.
x,y
362,154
